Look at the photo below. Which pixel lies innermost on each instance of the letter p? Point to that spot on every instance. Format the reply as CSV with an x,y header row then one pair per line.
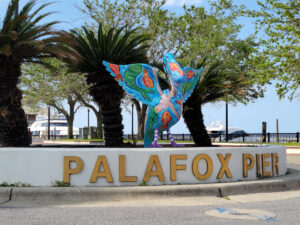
x,y
67,164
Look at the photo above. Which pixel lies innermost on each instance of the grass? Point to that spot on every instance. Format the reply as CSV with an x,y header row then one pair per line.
x,y
58,183
162,141
227,198
144,183
17,184
125,140
286,144
81,140
186,142
266,143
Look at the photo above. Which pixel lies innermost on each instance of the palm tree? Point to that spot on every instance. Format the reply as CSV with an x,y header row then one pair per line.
x,y
22,39
115,46
216,84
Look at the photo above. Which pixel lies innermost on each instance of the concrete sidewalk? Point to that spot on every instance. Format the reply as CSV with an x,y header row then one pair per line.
x,y
69,195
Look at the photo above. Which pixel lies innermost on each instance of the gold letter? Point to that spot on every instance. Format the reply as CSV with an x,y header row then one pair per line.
x,y
246,165
258,174
101,160
68,171
149,172
122,170
209,166
265,164
275,162
224,168
175,167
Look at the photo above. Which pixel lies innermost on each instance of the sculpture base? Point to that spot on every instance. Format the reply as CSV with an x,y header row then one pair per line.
x,y
139,166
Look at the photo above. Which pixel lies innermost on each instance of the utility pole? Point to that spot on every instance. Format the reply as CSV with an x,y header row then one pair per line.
x,y
132,122
226,121
89,118
48,122
277,131
264,131
89,131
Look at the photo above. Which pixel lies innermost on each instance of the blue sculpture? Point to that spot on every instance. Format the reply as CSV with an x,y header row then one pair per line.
x,y
164,107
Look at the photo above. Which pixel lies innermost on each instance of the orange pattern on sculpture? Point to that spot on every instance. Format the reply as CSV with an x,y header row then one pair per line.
x,y
190,74
175,67
148,82
166,118
116,69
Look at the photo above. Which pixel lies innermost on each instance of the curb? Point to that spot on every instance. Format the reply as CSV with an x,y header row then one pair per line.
x,y
5,194
89,194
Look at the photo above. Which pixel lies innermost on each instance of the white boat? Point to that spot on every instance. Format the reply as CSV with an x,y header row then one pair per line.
x,y
215,129
58,127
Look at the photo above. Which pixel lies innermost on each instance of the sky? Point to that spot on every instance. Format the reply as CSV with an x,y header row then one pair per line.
x,y
248,117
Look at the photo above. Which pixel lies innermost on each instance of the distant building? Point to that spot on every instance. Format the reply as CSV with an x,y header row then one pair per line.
x,y
33,114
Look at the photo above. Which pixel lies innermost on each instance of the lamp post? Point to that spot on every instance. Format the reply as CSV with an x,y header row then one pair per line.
x,y
132,121
226,121
88,118
48,122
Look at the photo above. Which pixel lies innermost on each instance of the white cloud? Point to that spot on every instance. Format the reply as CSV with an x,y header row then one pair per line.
x,y
182,2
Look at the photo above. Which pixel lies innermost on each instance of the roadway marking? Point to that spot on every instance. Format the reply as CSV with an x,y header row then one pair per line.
x,y
242,214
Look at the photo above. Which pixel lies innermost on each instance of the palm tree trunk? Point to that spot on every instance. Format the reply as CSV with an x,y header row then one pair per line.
x,y
193,118
141,115
107,94
13,123
113,127
141,122
99,125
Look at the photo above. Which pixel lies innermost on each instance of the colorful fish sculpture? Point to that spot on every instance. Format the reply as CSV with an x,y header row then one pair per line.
x,y
164,106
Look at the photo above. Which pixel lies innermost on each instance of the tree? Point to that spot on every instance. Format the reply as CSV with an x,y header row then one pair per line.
x,y
96,109
212,36
116,46
217,83
145,14
192,36
279,54
22,39
56,87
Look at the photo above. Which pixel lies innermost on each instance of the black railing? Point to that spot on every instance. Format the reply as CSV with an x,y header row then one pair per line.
x,y
179,137
53,137
245,137
258,137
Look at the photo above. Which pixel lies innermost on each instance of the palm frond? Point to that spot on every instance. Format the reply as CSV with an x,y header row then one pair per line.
x,y
23,35
115,45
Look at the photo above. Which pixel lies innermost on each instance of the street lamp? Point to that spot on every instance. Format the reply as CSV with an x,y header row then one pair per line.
x,y
132,122
48,122
88,118
226,121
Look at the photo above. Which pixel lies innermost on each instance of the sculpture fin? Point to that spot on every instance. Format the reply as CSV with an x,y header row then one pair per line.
x,y
150,121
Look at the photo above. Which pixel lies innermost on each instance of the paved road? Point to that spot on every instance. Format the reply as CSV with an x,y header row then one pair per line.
x,y
294,162
168,211
183,212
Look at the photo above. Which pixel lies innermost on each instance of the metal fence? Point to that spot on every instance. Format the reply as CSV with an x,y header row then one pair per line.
x,y
251,137
53,137
258,137
178,137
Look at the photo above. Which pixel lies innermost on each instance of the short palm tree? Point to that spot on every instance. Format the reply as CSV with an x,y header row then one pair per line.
x,y
117,46
216,84
22,39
